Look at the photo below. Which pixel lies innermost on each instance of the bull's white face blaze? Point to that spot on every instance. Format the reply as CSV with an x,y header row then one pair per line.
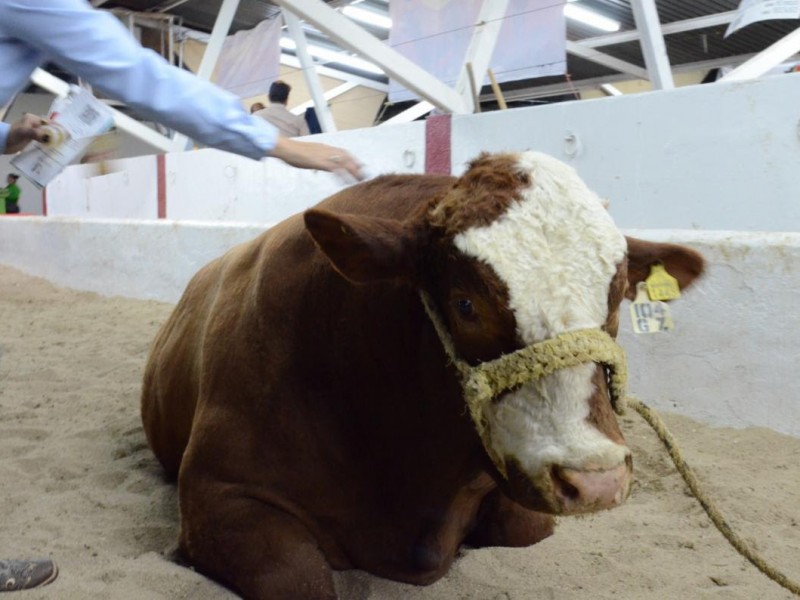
x,y
557,252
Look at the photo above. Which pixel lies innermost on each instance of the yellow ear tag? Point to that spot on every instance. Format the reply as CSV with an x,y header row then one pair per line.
x,y
648,316
661,285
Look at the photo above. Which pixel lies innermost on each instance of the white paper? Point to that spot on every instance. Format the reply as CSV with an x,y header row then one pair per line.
x,y
751,11
82,117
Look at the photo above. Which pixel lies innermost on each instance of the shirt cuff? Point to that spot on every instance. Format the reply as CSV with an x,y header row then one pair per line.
x,y
4,129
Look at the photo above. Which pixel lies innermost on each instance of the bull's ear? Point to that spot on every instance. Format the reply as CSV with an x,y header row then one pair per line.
x,y
364,248
683,263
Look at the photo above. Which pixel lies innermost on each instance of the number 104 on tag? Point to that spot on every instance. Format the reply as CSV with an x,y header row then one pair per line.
x,y
648,316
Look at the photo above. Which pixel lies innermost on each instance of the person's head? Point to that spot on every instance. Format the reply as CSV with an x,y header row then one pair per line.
x,y
256,107
279,92
12,178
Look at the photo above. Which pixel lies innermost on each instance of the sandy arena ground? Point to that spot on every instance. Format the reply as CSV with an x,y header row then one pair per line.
x,y
80,485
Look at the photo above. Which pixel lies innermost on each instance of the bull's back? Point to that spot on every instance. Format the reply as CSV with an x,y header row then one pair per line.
x,y
229,294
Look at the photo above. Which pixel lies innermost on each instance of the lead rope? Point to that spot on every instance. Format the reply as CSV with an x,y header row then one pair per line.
x,y
686,472
486,381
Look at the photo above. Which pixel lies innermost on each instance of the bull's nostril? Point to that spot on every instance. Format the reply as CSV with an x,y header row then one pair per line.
x,y
563,487
584,490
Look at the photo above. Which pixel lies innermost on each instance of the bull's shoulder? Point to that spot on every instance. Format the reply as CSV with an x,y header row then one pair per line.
x,y
388,196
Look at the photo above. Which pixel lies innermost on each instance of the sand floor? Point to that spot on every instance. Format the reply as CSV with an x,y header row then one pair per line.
x,y
78,483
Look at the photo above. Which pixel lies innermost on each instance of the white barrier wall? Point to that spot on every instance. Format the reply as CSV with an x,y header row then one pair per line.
x,y
210,185
718,156
722,156
127,190
151,260
712,157
730,361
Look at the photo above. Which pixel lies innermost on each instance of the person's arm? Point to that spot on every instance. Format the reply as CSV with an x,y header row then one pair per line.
x,y
94,45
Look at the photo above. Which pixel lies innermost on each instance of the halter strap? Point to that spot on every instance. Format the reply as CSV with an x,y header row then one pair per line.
x,y
484,382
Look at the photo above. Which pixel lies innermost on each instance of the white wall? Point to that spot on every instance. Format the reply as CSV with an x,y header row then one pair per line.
x,y
152,259
719,156
126,190
714,157
723,156
730,361
211,185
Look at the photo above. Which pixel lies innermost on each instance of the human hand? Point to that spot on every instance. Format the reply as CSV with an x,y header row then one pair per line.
x,y
23,131
312,155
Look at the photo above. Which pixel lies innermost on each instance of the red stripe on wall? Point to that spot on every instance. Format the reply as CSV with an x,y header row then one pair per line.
x,y
161,176
44,201
437,144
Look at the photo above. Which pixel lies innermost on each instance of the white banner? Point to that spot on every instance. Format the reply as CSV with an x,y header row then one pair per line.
x,y
250,60
435,34
751,11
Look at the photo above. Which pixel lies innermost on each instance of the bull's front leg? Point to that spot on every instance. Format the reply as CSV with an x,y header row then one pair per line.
x,y
503,522
254,548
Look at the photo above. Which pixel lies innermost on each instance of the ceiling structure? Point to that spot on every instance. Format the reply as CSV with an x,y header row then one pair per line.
x,y
693,38
702,48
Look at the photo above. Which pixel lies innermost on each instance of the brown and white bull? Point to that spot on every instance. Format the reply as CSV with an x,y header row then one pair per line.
x,y
301,396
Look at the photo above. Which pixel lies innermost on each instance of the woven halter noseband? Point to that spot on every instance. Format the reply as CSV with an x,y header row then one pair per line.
x,y
485,382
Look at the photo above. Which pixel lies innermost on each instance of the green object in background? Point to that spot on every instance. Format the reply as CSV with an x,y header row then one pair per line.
x,y
9,197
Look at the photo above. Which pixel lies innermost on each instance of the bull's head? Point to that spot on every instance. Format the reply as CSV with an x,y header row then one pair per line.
x,y
519,251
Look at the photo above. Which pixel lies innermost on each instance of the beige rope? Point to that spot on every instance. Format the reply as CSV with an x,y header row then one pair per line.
x,y
486,381
652,418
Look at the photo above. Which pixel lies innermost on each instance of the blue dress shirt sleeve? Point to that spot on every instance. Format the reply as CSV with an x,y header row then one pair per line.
x,y
94,45
4,128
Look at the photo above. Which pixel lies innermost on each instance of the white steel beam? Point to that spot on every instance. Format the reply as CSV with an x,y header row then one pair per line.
x,y
168,6
218,34
349,35
213,49
59,87
480,49
652,41
294,62
766,59
557,89
609,90
668,29
606,60
410,114
329,95
309,72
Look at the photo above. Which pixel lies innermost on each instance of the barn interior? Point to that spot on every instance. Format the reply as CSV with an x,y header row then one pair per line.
x,y
679,113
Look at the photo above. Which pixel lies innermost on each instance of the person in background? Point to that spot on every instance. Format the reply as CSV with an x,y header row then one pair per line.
x,y
257,106
95,46
276,113
9,195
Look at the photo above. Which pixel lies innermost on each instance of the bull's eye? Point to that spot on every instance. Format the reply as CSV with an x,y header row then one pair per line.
x,y
465,307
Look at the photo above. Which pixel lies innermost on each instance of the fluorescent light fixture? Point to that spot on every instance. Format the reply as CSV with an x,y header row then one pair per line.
x,y
589,17
328,55
367,16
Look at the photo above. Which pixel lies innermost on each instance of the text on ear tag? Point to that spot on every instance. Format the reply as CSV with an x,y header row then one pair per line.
x,y
661,285
648,316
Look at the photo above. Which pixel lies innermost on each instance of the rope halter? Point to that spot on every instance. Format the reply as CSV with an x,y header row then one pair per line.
x,y
486,381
